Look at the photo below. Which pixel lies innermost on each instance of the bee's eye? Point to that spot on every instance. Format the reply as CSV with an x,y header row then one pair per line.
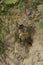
x,y
21,26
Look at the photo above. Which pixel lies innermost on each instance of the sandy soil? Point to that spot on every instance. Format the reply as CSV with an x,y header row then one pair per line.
x,y
16,54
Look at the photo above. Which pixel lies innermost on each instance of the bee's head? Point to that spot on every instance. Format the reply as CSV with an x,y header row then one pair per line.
x,y
21,26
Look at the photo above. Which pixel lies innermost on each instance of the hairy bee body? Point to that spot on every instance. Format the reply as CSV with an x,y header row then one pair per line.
x,y
24,34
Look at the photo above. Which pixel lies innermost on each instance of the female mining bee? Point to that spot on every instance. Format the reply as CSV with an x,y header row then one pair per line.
x,y
24,34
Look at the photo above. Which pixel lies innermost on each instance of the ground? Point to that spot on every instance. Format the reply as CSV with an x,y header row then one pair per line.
x,y
15,53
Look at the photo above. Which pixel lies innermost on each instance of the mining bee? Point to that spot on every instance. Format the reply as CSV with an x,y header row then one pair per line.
x,y
24,34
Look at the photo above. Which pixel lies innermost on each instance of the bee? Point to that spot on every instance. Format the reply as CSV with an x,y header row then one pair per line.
x,y
24,34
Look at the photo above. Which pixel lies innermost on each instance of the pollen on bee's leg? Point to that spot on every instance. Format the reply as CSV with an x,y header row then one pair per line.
x,y
20,35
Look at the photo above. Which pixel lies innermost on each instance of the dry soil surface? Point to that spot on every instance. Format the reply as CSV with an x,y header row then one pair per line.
x,y
16,54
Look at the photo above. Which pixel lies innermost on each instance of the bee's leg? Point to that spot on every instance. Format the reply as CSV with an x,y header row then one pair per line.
x,y
20,40
30,41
